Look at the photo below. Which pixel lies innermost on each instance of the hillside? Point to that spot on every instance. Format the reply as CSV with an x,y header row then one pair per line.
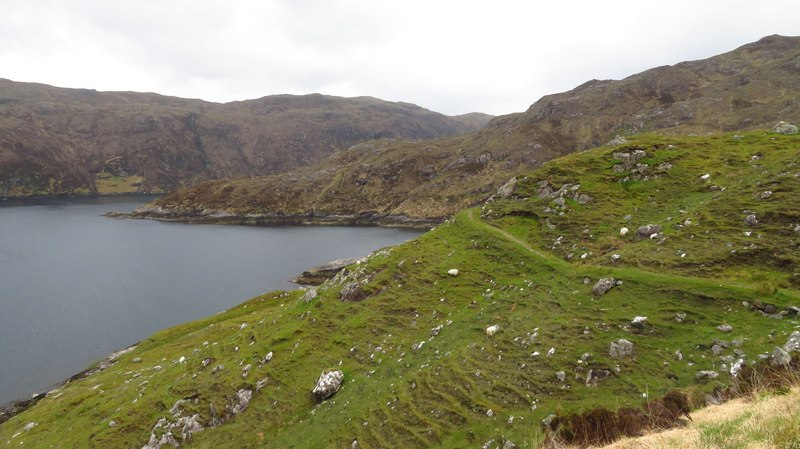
x,y
80,141
383,181
552,311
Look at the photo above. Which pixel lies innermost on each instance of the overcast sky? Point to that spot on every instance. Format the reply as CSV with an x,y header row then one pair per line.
x,y
449,56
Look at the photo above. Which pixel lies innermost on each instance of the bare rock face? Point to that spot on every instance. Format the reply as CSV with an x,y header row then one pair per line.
x,y
328,384
320,274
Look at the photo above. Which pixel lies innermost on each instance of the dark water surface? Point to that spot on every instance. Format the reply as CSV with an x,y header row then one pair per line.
x,y
76,286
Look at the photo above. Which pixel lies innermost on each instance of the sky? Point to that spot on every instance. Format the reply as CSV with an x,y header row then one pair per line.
x,y
450,56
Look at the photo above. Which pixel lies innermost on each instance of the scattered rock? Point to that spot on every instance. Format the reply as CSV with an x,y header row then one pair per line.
x,y
548,420
29,426
617,140
507,189
137,360
751,220
352,292
328,384
268,357
629,159
780,357
623,231
706,375
240,401
509,445
615,258
765,194
784,128
647,231
620,349
309,295
453,272
551,352
705,177
793,343
724,328
603,286
639,321
436,330
561,375
717,349
489,413
595,375
491,330
736,368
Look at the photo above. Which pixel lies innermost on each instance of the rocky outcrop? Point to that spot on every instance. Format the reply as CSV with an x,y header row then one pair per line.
x,y
320,274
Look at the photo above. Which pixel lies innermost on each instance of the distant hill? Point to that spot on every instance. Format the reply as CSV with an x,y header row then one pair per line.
x,y
80,141
753,86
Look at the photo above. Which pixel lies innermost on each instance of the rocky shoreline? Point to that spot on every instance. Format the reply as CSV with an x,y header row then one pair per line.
x,y
274,219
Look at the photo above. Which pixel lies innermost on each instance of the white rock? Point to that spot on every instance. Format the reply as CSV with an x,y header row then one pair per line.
x,y
639,321
453,272
491,330
551,352
29,426
268,357
705,177
623,231
328,384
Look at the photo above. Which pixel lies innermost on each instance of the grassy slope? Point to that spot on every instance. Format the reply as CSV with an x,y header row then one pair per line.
x,y
439,395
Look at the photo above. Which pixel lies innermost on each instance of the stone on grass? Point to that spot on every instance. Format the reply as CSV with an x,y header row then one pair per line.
x,y
783,127
639,321
780,357
751,220
623,231
603,286
620,349
491,330
561,375
706,375
328,384
724,328
793,343
647,231
453,272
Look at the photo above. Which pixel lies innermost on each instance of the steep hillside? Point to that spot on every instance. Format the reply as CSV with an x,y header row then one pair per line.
x,y
752,86
477,331
57,141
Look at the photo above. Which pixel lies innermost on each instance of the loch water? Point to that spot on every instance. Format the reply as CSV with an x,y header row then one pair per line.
x,y
76,286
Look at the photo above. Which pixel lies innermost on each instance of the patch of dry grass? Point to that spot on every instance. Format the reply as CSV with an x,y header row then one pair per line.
x,y
766,421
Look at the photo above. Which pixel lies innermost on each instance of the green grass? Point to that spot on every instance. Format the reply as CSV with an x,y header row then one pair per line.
x,y
439,395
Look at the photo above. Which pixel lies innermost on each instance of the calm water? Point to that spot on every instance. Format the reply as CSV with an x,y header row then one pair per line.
x,y
75,286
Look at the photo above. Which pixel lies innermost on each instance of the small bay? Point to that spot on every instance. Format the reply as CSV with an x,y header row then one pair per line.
x,y
76,286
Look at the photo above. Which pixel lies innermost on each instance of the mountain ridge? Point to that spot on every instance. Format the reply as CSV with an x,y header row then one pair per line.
x,y
378,181
80,141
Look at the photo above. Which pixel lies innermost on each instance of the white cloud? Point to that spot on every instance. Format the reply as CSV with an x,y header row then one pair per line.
x,y
446,55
